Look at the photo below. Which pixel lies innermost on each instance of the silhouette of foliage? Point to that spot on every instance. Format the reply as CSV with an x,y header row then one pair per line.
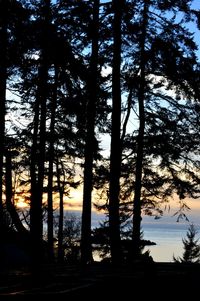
x,y
191,247
71,237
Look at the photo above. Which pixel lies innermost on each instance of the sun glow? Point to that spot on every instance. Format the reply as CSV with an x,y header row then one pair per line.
x,y
21,204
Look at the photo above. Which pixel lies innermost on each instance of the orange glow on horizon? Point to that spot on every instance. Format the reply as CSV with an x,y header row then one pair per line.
x,y
73,202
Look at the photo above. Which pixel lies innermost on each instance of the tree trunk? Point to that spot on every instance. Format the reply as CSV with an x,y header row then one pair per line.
x,y
3,79
50,173
115,155
38,149
9,195
86,248
34,205
140,140
61,216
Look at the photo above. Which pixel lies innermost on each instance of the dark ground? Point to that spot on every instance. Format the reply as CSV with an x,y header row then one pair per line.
x,y
156,281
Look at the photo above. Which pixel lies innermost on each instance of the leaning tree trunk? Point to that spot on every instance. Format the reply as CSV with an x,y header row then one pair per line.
x,y
115,155
140,140
9,196
86,247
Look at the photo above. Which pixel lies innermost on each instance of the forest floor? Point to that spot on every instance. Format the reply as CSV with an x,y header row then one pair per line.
x,y
99,281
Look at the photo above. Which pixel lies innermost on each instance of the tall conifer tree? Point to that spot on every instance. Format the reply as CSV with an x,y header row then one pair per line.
x,y
86,247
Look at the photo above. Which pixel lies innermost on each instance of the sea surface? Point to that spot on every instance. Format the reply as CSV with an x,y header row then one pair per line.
x,y
166,232
168,238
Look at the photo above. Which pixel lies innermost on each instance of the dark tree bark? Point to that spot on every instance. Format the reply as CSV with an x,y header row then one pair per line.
x,y
9,196
115,155
61,214
50,172
35,207
3,80
140,140
38,149
86,248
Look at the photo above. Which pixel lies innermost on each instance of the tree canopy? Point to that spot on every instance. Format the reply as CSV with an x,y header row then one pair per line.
x,y
74,73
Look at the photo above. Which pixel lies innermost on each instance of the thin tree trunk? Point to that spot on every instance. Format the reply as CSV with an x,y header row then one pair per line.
x,y
34,187
3,80
61,215
128,112
50,173
9,195
115,155
140,140
86,248
42,141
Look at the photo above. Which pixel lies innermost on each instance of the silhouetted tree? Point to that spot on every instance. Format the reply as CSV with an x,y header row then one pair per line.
x,y
86,248
72,237
115,152
49,82
51,155
39,136
61,84
141,131
13,19
141,88
60,173
191,247
168,95
10,206
3,80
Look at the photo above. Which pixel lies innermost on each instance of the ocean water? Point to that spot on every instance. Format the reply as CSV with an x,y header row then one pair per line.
x,y
166,232
168,238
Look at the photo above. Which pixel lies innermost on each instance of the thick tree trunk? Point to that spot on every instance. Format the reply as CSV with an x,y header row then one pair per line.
x,y
38,149
37,170
115,155
140,140
86,248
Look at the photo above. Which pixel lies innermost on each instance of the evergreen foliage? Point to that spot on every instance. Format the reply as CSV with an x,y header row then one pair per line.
x,y
191,247
75,72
